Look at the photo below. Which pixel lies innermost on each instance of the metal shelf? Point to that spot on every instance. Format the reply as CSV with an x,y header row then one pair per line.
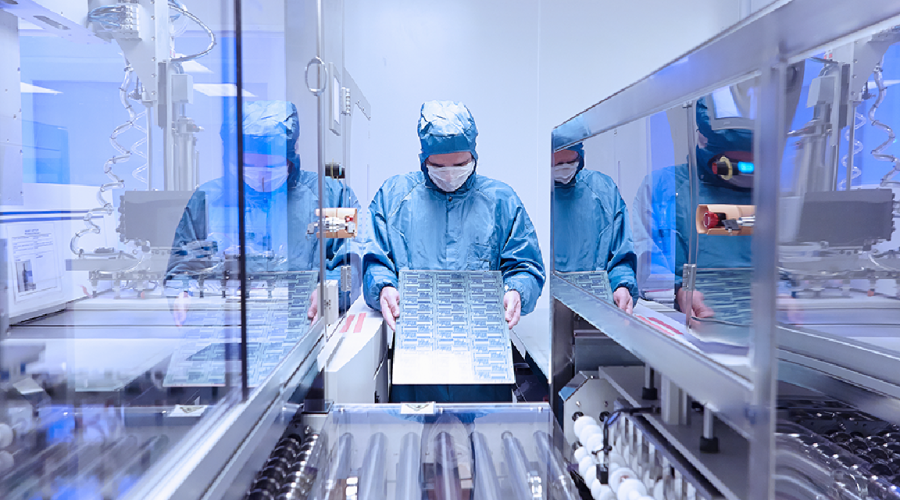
x,y
707,381
726,470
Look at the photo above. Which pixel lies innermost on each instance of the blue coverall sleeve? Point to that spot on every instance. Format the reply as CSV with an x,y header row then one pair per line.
x,y
189,229
520,260
378,265
622,260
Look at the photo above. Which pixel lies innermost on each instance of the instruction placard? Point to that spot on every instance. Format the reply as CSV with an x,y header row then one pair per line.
x,y
33,260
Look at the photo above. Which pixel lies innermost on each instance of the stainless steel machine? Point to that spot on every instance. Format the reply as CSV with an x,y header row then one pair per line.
x,y
758,175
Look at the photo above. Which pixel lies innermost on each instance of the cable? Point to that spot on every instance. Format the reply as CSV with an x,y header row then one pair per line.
x,y
877,152
209,32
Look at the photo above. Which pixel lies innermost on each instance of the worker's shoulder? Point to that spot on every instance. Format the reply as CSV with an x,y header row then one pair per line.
x,y
597,179
398,186
492,187
600,184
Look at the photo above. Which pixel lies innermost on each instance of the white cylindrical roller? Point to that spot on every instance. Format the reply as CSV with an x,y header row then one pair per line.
x,y
580,453
590,476
631,489
6,436
588,431
6,461
621,474
581,422
606,493
585,464
594,444
602,491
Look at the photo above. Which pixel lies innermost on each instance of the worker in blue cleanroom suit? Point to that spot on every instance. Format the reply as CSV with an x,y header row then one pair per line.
x,y
715,186
280,203
591,230
446,216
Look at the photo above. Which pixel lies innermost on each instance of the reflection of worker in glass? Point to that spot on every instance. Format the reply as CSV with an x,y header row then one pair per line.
x,y
446,216
653,227
280,202
591,231
721,147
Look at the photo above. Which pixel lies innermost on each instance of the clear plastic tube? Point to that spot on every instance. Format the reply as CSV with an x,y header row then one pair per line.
x,y
517,465
371,478
409,469
559,483
447,485
487,486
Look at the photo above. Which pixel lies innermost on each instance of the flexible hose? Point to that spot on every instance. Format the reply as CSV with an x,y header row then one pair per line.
x,y
138,173
859,121
877,152
116,182
209,32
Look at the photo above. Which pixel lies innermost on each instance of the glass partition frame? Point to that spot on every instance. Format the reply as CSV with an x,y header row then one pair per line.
x,y
711,66
97,402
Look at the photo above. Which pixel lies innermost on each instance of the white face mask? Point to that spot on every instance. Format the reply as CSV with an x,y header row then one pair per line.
x,y
265,179
449,179
564,172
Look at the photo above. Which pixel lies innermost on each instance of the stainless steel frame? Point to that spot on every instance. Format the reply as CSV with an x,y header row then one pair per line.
x,y
761,46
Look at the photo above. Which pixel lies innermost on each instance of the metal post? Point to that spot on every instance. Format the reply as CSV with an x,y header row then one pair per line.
x,y
649,391
242,223
851,139
709,443
562,353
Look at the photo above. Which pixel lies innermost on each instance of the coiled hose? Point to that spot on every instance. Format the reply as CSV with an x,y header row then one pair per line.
x,y
116,182
878,151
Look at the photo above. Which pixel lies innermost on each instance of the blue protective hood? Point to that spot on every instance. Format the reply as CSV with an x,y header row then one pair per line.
x,y
270,127
446,127
717,142
579,149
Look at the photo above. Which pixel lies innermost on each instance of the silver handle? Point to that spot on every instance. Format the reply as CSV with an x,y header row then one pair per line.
x,y
315,91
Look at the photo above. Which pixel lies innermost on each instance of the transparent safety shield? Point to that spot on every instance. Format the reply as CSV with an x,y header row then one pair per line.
x,y
715,215
839,259
124,261
614,209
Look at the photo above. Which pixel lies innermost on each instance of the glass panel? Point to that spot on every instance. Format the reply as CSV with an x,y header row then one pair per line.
x,y
614,208
714,220
839,258
586,206
122,258
281,190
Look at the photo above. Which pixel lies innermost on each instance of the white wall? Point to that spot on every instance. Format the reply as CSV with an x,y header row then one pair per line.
x,y
522,67
404,52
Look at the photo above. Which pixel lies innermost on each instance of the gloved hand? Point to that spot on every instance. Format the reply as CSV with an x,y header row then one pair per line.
x,y
512,304
313,312
698,308
180,308
623,300
390,306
